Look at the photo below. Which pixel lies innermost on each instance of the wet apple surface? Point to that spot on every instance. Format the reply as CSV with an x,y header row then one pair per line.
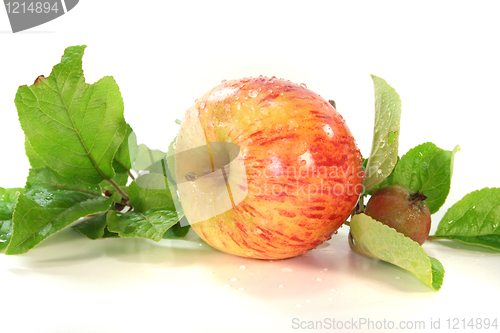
x,y
294,181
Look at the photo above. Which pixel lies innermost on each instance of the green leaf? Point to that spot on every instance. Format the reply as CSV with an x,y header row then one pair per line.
x,y
109,234
76,128
386,182
8,199
150,224
154,210
5,233
92,227
428,169
437,273
473,220
51,202
384,153
177,231
126,153
95,227
35,160
377,240
150,191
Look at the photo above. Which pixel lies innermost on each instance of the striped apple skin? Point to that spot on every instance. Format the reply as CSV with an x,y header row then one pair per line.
x,y
302,168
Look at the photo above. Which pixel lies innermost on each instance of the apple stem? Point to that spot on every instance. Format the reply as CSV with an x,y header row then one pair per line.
x,y
417,197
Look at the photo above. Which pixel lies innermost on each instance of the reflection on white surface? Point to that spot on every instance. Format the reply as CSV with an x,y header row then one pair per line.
x,y
198,281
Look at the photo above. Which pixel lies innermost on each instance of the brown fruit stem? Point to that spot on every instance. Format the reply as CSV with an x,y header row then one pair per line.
x,y
417,197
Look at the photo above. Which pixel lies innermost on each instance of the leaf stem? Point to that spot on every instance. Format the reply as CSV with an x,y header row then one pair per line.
x,y
119,189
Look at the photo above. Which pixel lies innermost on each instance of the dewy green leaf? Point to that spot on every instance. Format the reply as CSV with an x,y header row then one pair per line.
x,y
8,199
154,210
384,153
50,203
474,220
379,241
386,182
75,127
428,169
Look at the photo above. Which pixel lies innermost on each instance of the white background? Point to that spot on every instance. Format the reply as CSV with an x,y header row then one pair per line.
x,y
443,58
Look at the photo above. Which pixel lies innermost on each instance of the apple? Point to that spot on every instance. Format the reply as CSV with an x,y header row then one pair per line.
x,y
266,168
402,209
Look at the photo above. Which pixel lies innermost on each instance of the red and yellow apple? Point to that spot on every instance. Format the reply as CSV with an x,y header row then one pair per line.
x,y
293,180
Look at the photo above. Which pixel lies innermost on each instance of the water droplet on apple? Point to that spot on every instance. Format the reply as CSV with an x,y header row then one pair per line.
x,y
319,279
303,85
233,279
333,290
245,79
223,81
281,286
303,162
227,286
252,93
238,105
242,267
286,269
202,105
298,305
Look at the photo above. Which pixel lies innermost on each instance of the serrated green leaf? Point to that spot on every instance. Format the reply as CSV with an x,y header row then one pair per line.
x,y
384,152
35,160
428,169
51,202
475,219
377,240
178,231
150,224
8,199
76,128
